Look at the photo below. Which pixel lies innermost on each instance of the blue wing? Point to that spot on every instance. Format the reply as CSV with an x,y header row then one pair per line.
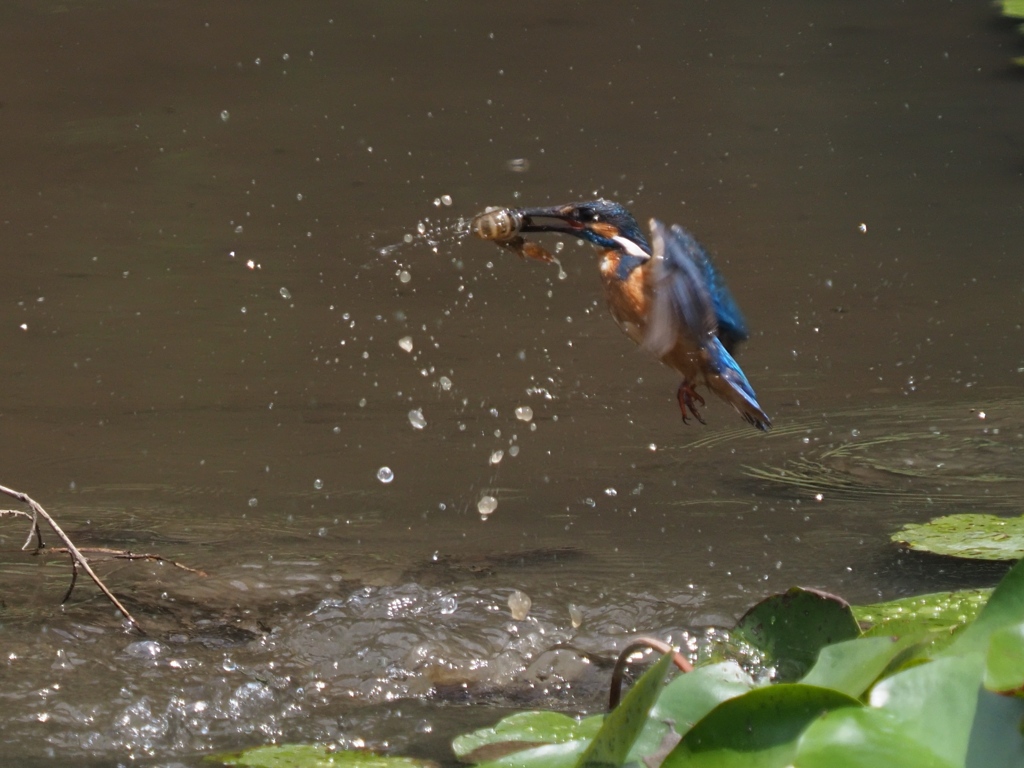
x,y
732,327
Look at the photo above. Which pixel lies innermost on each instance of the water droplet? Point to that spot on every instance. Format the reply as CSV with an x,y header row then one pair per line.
x,y
524,413
449,605
318,483
253,502
406,238
610,492
299,197
416,419
405,343
652,447
321,532
404,276
496,457
486,506
228,665
518,165
238,229
285,293
519,603
144,649
225,115
385,475
446,383
446,200
421,228
575,616
513,451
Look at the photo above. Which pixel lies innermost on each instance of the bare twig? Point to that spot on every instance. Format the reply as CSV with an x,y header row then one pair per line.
x,y
125,554
641,644
34,530
78,560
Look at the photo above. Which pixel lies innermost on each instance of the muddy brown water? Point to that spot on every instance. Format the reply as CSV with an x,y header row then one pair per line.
x,y
213,270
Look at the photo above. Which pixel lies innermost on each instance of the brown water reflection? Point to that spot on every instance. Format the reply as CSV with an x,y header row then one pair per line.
x,y
161,394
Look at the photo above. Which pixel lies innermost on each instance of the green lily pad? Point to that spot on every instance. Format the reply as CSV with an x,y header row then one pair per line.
x,y
1004,664
922,716
931,612
1013,8
759,729
853,665
1004,608
624,724
790,629
314,756
523,730
977,537
686,700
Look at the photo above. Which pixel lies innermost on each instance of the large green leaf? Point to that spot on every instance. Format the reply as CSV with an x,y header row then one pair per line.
x,y
931,612
1004,663
921,716
686,700
996,740
756,730
1004,608
523,730
864,738
977,537
623,724
314,756
790,629
1014,8
853,665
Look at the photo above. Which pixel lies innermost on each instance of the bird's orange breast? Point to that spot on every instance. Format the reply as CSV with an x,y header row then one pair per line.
x,y
627,298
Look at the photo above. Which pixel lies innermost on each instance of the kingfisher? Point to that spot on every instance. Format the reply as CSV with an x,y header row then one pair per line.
x,y
666,294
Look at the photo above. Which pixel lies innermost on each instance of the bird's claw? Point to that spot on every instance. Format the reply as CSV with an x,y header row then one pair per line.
x,y
687,396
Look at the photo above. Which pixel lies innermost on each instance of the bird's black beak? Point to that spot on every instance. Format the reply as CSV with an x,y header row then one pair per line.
x,y
558,218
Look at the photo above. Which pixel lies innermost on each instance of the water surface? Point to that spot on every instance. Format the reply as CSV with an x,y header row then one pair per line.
x,y
224,227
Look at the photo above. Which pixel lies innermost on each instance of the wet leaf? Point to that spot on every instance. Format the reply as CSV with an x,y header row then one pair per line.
x,y
921,716
977,537
1013,8
996,738
853,665
1004,663
314,756
791,628
686,700
623,724
1004,608
758,729
931,612
523,730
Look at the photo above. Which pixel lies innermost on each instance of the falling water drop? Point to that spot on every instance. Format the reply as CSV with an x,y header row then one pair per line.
x,y
519,603
486,506
416,418
385,475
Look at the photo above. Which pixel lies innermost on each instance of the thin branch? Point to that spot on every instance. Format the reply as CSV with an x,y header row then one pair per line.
x,y
641,644
77,558
33,530
125,554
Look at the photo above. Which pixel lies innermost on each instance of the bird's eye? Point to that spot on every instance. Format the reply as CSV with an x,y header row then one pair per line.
x,y
588,214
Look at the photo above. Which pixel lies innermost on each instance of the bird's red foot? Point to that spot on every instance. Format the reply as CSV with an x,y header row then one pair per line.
x,y
687,395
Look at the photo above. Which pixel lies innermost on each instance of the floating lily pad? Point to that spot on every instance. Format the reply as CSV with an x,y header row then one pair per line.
x,y
922,613
760,728
790,629
520,731
314,756
976,537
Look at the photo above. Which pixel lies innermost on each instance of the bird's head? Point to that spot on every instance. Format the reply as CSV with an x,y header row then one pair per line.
x,y
601,222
